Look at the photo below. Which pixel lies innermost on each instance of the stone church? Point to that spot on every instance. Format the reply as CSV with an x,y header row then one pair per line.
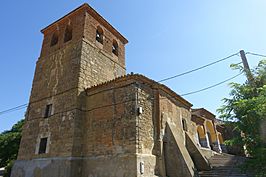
x,y
87,118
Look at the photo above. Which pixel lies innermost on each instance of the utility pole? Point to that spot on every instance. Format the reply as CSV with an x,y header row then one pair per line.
x,y
246,67
250,81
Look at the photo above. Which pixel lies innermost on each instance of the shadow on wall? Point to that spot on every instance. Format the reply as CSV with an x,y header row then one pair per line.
x,y
198,158
177,160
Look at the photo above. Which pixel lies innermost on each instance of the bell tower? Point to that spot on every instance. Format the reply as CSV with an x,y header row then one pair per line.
x,y
79,50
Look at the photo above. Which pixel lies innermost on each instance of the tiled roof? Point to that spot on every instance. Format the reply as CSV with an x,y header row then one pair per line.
x,y
144,79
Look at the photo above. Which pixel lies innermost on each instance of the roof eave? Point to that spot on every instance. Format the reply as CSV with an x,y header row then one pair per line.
x,y
95,14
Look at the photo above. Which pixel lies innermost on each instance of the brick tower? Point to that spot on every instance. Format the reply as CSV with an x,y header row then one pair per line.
x,y
78,51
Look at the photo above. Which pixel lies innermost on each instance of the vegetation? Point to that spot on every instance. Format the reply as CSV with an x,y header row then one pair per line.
x,y
9,145
247,108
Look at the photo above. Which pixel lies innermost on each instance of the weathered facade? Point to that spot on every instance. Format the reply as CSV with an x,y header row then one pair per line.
x,y
209,132
86,117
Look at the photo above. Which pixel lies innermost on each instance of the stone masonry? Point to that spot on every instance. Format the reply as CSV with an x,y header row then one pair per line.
x,y
87,118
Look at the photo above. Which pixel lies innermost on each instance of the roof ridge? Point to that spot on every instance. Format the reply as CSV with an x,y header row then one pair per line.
x,y
113,80
143,78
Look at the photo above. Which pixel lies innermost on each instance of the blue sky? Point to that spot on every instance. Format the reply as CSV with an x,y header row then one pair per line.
x,y
165,38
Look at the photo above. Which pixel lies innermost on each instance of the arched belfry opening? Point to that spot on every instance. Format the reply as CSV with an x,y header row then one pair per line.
x,y
115,47
54,39
68,33
99,34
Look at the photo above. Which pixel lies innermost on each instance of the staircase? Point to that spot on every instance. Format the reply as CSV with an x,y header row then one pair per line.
x,y
224,165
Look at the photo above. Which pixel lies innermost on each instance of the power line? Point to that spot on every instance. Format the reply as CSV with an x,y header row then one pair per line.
x,y
196,69
14,109
172,77
255,54
189,93
25,105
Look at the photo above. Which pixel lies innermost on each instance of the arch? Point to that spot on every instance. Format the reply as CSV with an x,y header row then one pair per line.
x,y
201,132
99,34
115,48
201,136
211,135
54,39
220,137
68,33
222,146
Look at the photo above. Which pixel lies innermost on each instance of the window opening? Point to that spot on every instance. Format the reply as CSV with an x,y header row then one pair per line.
x,y
184,123
54,39
99,35
115,48
48,110
43,145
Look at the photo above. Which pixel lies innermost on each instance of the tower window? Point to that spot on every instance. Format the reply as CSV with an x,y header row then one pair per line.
x,y
68,33
43,145
54,39
99,35
184,124
48,110
115,48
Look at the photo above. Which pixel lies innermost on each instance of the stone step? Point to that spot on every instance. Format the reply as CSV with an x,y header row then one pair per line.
x,y
217,172
221,174
224,165
213,175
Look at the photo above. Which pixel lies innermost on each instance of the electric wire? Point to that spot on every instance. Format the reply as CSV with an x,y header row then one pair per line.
x,y
196,69
189,93
25,105
169,78
14,109
255,54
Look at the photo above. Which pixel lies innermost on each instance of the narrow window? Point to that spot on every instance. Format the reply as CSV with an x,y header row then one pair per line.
x,y
43,145
48,110
115,48
68,33
54,39
99,35
184,124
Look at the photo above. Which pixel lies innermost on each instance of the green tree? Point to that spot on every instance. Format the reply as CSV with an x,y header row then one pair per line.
x,y
9,145
247,108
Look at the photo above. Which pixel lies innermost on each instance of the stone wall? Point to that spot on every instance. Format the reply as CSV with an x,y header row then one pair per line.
x,y
54,85
146,131
76,21
49,167
160,109
90,26
172,112
110,131
97,66
62,73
